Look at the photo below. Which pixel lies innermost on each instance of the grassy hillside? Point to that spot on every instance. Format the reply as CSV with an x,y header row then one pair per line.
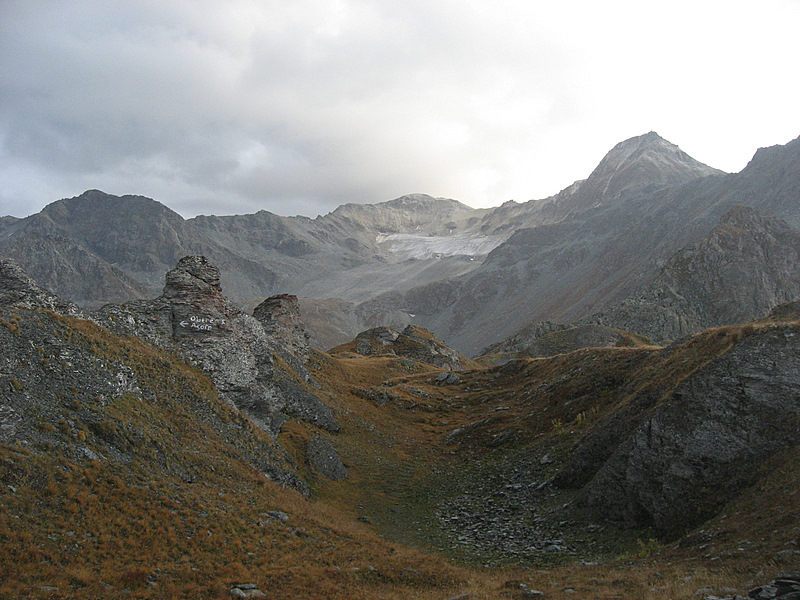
x,y
126,476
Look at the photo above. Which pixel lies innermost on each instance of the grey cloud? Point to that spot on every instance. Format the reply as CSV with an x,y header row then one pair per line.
x,y
299,106
344,108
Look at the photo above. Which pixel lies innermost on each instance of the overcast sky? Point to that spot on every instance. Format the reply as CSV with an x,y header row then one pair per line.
x,y
297,106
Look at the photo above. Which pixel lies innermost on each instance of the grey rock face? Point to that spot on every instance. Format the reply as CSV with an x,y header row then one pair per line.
x,y
746,266
194,318
324,458
671,462
645,160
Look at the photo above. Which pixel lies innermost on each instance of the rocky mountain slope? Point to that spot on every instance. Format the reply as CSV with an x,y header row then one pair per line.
x,y
89,248
472,277
124,474
194,319
747,265
19,290
611,246
567,455
673,451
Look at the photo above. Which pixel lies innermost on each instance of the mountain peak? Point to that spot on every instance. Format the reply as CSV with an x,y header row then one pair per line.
x,y
642,161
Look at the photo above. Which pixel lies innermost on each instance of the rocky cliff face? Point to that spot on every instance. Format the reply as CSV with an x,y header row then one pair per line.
x,y
194,318
280,318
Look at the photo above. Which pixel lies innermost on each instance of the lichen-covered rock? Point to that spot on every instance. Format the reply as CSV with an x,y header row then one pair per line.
x,y
194,318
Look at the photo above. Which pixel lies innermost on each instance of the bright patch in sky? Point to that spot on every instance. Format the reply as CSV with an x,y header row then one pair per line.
x,y
297,107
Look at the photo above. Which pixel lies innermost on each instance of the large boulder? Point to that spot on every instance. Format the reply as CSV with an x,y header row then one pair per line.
x,y
325,460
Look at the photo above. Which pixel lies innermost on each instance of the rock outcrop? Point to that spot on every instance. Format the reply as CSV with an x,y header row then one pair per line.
x,y
74,389
280,318
324,459
413,342
194,318
670,460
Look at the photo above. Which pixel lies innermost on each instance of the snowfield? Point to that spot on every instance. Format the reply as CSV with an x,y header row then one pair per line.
x,y
409,245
